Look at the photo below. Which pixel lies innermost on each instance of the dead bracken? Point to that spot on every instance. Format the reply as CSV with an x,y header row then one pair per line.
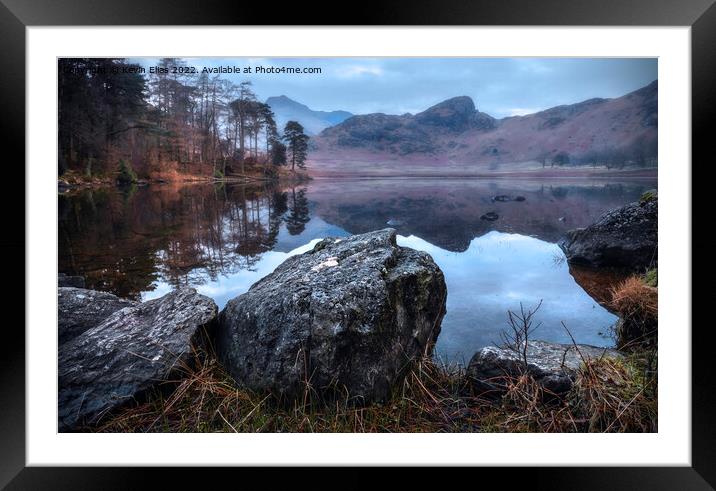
x,y
607,396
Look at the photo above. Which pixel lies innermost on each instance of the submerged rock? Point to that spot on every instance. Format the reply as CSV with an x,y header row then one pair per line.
x,y
624,238
131,351
551,364
74,281
79,310
504,198
345,319
501,197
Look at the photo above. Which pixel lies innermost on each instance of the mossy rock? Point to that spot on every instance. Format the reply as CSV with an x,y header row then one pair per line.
x,y
651,277
648,196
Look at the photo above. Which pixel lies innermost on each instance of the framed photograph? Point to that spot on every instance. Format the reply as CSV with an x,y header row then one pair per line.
x,y
428,239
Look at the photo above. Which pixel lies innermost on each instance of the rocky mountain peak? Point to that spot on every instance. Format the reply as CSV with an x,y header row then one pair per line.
x,y
455,114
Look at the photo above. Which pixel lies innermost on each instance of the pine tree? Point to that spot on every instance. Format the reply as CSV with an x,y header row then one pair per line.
x,y
268,121
278,153
297,142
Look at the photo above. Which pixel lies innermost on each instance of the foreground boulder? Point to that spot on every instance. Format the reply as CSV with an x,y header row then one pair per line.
x,y
79,310
345,319
623,238
128,353
551,364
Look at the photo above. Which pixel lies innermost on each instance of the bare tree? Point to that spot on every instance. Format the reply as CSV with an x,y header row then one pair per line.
x,y
521,327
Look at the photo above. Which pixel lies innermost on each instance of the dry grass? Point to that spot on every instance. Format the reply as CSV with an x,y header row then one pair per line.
x,y
617,395
634,298
608,395
638,305
205,399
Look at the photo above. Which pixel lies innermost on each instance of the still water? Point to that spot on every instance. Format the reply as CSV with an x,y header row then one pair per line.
x,y
141,242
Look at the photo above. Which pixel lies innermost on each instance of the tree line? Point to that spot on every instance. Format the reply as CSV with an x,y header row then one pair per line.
x,y
641,152
113,117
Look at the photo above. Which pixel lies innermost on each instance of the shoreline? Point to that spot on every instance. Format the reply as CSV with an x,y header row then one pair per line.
x,y
99,183
524,176
528,174
328,176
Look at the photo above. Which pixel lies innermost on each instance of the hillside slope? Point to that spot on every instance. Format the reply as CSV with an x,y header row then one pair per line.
x,y
456,132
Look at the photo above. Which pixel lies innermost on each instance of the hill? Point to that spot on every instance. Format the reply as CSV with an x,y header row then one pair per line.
x,y
456,132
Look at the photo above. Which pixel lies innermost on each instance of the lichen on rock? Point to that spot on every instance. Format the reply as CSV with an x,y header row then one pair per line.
x,y
553,365
345,320
131,351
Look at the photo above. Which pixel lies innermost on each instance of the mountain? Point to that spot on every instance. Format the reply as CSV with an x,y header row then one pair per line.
x,y
313,122
456,132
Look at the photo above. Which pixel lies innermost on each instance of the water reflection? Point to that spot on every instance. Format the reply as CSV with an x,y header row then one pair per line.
x,y
497,272
127,241
236,283
446,212
139,243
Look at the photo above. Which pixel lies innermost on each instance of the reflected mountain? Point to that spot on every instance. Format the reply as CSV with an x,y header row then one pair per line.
x,y
447,212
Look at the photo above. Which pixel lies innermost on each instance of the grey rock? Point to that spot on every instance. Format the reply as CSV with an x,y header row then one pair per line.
x,y
130,352
501,197
551,364
79,310
623,238
504,198
75,281
348,317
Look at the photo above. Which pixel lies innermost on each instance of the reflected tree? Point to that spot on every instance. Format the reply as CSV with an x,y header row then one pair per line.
x,y
123,241
298,215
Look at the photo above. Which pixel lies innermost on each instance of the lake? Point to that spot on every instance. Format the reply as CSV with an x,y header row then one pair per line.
x,y
140,242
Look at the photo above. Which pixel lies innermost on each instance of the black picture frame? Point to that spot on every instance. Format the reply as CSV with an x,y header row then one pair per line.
x,y
16,15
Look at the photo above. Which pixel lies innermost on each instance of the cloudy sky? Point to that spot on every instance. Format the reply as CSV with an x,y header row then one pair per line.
x,y
499,86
